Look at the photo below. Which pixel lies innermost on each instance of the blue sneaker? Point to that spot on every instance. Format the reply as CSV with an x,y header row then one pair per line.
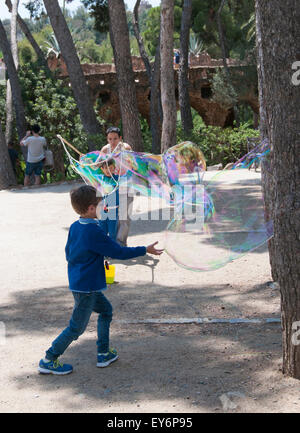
x,y
104,359
54,367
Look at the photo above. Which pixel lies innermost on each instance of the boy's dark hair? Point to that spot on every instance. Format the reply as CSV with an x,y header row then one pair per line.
x,y
83,197
36,129
113,129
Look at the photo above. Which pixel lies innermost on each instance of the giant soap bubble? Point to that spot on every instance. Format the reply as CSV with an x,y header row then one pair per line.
x,y
216,217
229,223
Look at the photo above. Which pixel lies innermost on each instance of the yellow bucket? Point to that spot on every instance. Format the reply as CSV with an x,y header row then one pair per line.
x,y
110,274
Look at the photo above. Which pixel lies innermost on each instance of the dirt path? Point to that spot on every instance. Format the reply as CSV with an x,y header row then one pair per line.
x,y
163,367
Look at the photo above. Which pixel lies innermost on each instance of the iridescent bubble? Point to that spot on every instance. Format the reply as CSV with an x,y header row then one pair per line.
x,y
184,163
216,217
231,223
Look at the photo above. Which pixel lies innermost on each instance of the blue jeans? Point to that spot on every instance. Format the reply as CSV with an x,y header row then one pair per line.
x,y
109,219
85,304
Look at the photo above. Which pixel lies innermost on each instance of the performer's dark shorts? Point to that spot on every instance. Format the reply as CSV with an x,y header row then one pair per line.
x,y
34,167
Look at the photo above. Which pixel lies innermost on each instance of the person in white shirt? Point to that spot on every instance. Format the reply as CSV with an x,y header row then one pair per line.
x,y
36,145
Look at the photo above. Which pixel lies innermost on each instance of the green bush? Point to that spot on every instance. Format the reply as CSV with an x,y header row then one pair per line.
x,y
220,145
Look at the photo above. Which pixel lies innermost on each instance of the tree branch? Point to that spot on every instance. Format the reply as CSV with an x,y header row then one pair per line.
x,y
29,36
222,37
136,29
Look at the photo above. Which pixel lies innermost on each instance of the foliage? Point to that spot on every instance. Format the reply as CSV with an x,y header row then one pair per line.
x,y
99,11
82,26
223,91
89,52
241,85
50,103
26,52
53,45
152,29
92,46
219,145
234,15
195,45
146,135
2,103
250,25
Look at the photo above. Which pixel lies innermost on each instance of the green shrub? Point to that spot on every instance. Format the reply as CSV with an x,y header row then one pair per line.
x,y
220,145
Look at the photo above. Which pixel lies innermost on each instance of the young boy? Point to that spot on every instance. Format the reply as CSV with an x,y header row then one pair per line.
x,y
86,246
116,145
110,213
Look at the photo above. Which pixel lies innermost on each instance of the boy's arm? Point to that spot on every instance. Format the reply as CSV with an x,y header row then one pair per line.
x,y
104,245
67,247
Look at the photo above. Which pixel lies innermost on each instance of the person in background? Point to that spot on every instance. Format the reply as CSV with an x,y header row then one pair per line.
x,y
176,58
36,145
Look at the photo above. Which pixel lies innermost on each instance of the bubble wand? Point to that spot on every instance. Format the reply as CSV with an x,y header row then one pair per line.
x,y
70,145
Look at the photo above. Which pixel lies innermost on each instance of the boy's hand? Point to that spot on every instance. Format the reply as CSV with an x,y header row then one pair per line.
x,y
152,250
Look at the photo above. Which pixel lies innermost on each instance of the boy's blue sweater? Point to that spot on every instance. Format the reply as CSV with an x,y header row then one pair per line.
x,y
85,250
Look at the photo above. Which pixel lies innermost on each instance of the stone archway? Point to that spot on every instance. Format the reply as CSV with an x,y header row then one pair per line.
x,y
102,82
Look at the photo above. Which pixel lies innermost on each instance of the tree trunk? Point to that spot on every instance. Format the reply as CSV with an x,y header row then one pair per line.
x,y
7,176
13,32
153,73
14,51
27,33
9,113
126,85
14,80
183,81
77,79
224,55
267,163
168,100
255,119
280,39
156,112
136,29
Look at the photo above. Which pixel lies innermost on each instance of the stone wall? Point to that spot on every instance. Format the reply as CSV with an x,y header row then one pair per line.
x,y
102,82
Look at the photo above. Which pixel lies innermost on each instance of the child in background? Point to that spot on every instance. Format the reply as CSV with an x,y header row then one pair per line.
x,y
110,211
116,145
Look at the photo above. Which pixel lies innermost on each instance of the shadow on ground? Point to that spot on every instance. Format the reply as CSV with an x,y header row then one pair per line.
x,y
191,365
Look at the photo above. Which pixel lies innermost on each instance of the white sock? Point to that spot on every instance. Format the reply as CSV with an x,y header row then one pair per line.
x,y
46,360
